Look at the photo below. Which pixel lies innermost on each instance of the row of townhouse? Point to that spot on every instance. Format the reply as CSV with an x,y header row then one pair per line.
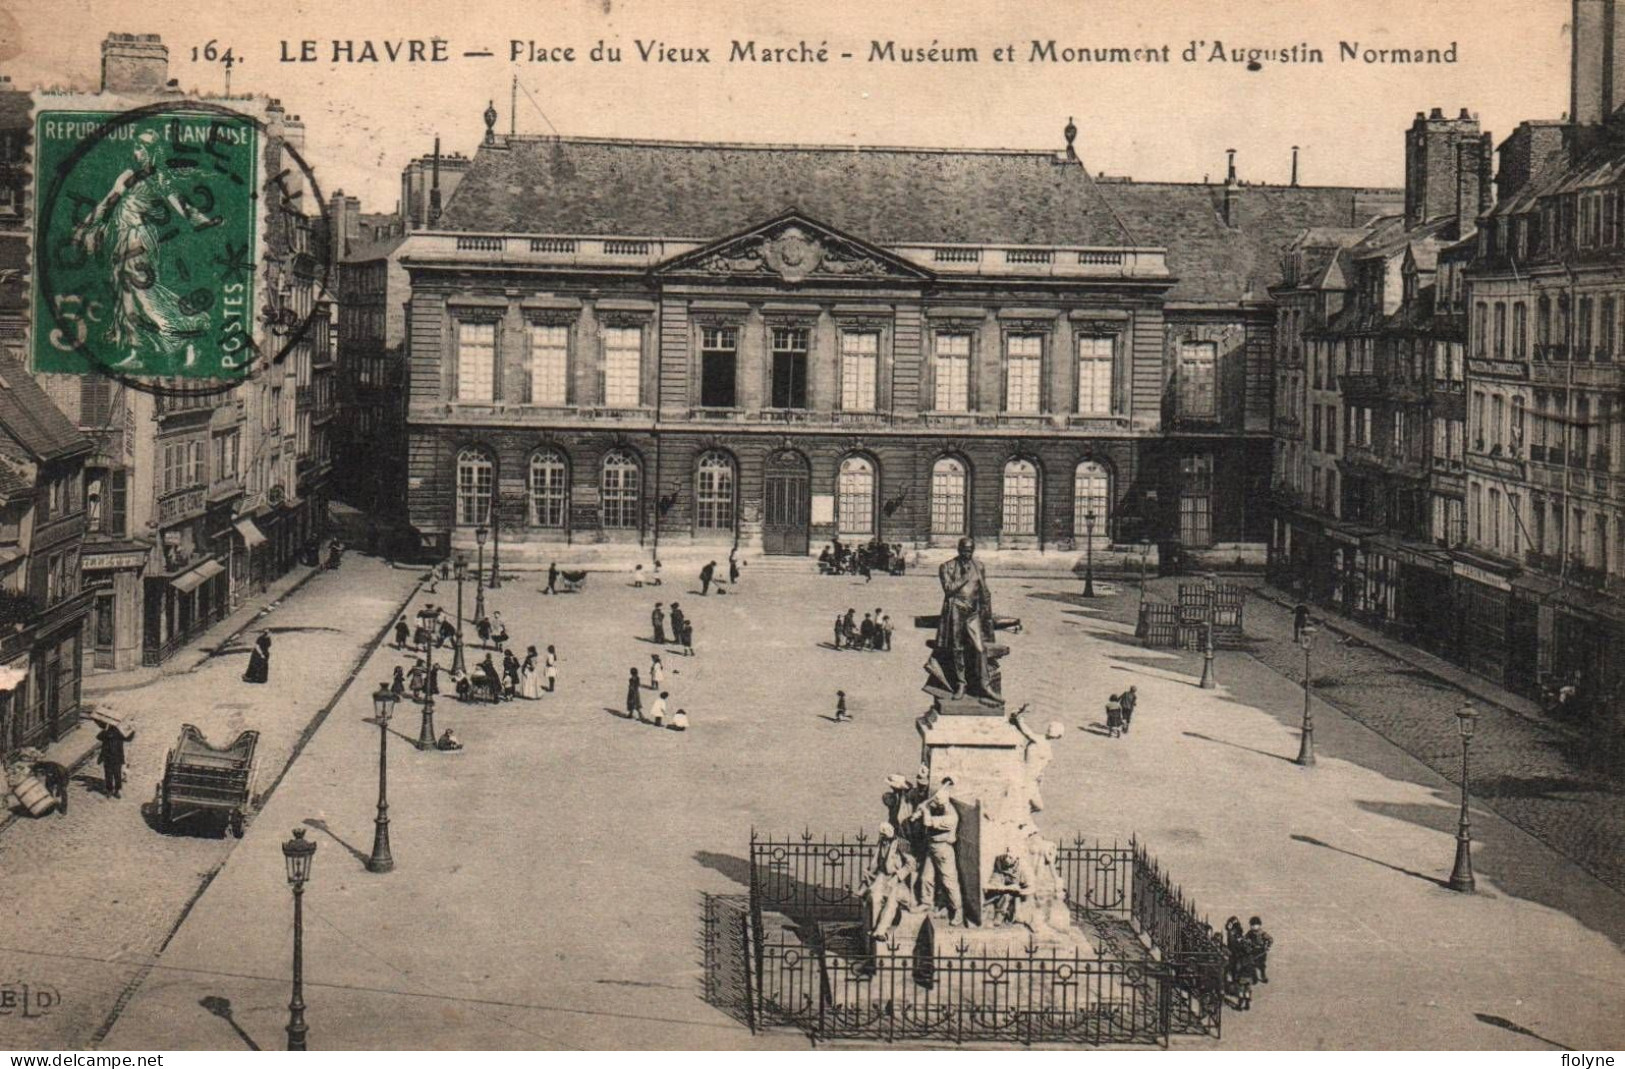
x,y
1450,455
192,501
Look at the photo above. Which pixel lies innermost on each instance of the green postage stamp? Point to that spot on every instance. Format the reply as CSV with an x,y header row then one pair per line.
x,y
145,242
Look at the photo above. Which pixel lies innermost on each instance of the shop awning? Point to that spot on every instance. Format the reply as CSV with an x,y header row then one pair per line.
x,y
187,582
252,535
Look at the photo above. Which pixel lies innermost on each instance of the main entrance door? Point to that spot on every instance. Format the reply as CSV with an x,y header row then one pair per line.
x,y
784,512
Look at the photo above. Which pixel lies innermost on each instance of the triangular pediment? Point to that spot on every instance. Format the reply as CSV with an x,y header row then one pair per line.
x,y
793,248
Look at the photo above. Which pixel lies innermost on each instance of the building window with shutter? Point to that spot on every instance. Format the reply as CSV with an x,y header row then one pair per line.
x,y
1096,356
476,361
623,366
860,353
1197,365
549,363
1023,372
950,371
855,497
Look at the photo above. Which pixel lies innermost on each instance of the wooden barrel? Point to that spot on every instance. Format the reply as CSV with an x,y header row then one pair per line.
x,y
34,797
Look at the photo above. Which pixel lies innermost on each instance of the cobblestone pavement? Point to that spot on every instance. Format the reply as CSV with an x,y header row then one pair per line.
x,y
1534,775
548,877
91,897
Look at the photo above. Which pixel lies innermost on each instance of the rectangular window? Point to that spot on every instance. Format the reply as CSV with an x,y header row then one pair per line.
x,y
860,353
789,367
549,363
951,372
1023,370
476,361
1196,500
118,502
718,348
1607,327
623,367
1314,438
1520,330
1331,430
104,621
1582,329
1500,330
1096,356
1197,364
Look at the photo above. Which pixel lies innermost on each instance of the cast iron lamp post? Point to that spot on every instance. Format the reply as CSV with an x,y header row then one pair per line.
x,y
460,569
383,705
1089,554
480,534
298,852
496,541
1461,877
426,730
1306,743
1208,681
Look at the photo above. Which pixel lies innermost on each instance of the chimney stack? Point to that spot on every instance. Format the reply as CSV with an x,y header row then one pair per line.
x,y
134,63
1071,132
1230,177
1294,165
1230,187
434,188
1597,86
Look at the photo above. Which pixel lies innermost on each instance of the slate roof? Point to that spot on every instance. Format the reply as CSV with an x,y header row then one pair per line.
x,y
359,252
892,196
31,420
706,191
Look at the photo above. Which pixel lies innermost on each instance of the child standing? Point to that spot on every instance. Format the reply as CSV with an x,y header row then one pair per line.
x,y
657,672
657,711
634,697
552,669
840,706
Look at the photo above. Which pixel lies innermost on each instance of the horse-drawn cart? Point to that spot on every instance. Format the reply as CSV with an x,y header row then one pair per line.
x,y
203,778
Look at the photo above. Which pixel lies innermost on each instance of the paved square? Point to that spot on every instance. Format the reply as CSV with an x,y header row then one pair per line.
x,y
548,877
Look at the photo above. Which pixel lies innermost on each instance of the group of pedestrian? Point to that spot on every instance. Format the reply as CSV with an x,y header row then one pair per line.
x,y
488,681
657,714
874,633
837,558
682,628
1120,712
708,574
1247,956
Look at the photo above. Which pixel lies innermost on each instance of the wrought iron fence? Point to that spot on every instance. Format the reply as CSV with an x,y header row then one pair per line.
x,y
726,956
1170,960
1036,996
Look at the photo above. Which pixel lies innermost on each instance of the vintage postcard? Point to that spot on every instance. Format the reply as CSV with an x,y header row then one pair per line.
x,y
761,527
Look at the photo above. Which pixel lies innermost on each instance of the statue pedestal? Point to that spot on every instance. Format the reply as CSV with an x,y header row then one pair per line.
x,y
983,755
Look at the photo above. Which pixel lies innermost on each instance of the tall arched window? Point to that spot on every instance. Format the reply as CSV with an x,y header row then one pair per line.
x,y
1091,495
948,497
549,493
475,478
714,493
1020,498
855,498
620,489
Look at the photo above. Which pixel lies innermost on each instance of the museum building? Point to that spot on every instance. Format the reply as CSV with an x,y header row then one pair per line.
x,y
671,344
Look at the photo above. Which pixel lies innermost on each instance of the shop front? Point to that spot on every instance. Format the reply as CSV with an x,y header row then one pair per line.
x,y
113,577
1425,609
1483,599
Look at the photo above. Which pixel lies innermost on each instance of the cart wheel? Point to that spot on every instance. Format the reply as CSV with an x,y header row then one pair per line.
x,y
237,823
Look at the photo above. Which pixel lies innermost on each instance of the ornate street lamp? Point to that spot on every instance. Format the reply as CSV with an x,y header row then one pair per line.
x,y
496,541
1306,743
1209,681
383,706
480,534
298,852
1089,554
1461,876
426,728
460,569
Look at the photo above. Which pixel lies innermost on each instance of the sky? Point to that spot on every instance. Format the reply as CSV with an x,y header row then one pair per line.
x,y
1168,121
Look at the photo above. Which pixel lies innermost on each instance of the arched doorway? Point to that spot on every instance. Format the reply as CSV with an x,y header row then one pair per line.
x,y
785,504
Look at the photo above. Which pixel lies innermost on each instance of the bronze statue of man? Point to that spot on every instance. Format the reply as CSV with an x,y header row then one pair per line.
x,y
965,628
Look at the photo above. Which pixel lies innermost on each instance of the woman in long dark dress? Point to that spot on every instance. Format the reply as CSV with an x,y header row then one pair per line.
x,y
259,660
